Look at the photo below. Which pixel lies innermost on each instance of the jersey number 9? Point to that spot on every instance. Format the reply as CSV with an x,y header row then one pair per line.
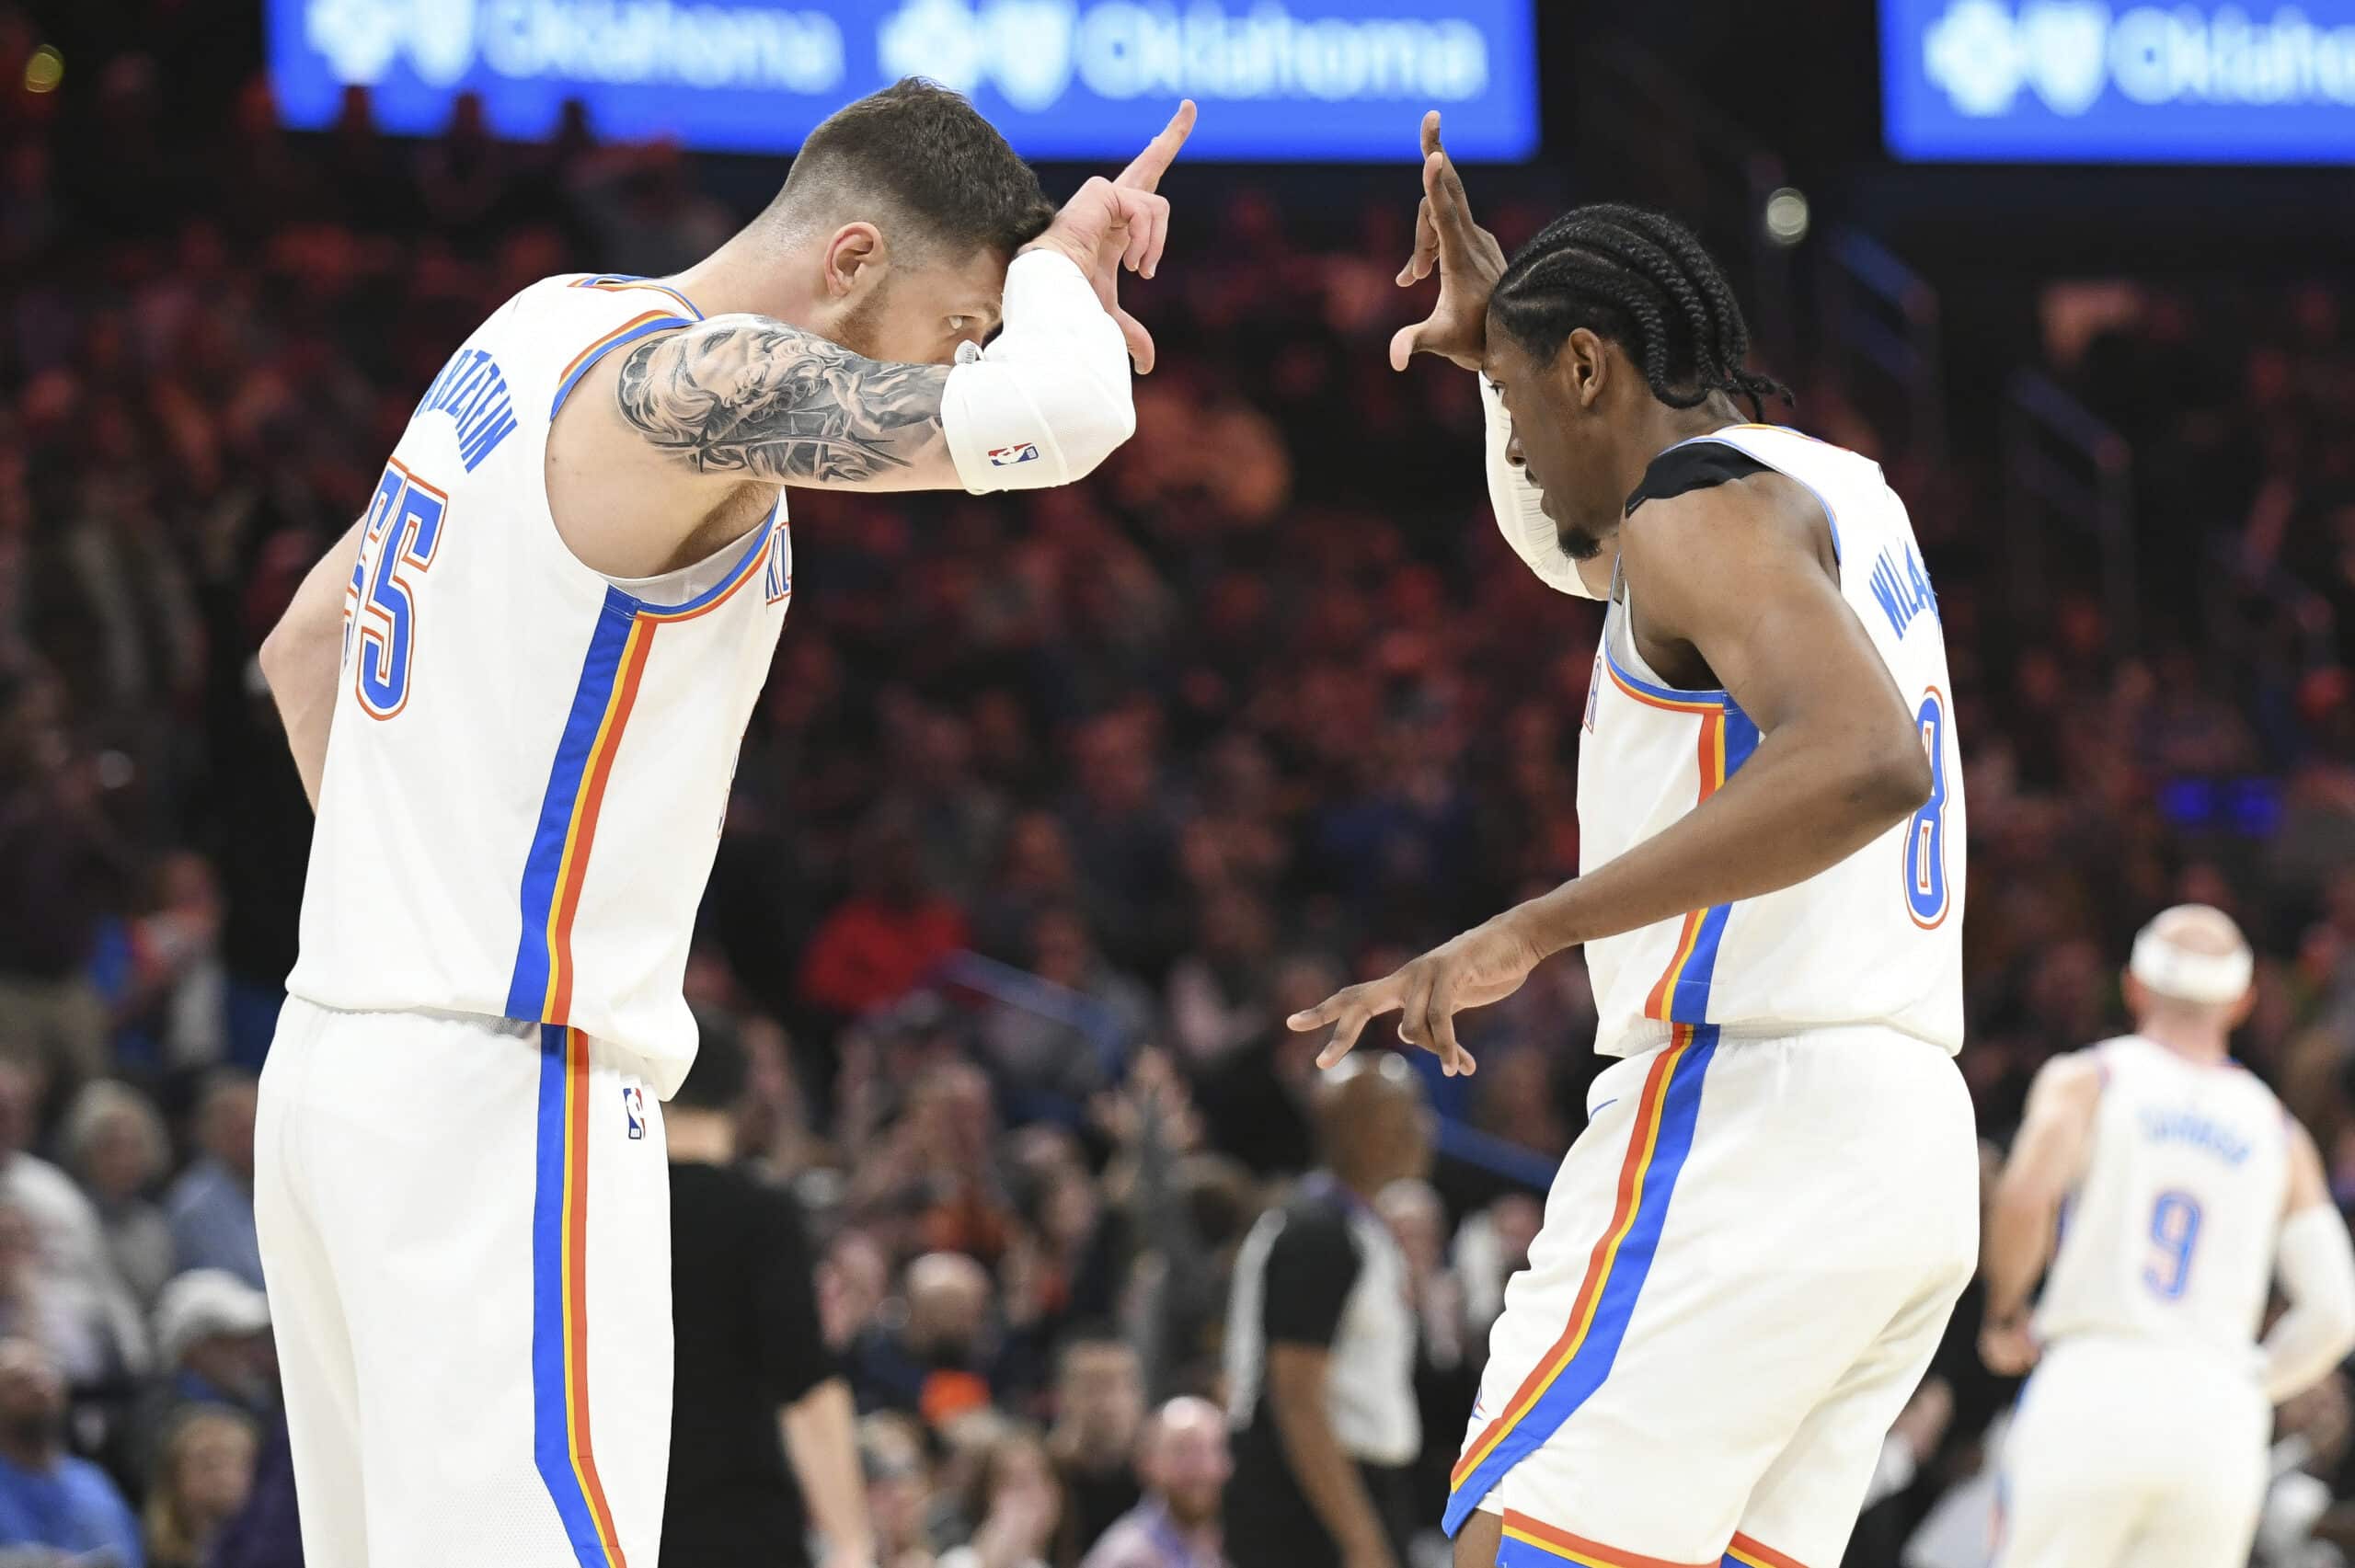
x,y
2174,1229
405,520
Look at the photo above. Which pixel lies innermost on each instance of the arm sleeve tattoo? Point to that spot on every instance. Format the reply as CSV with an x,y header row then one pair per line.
x,y
745,395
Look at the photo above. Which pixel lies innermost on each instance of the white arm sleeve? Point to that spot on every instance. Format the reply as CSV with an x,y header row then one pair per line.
x,y
1049,399
2316,1266
1520,506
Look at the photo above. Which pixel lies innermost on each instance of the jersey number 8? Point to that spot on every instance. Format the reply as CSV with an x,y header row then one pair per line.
x,y
405,520
1925,836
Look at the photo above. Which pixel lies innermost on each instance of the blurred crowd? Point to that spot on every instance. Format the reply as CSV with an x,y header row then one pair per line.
x,y
1053,810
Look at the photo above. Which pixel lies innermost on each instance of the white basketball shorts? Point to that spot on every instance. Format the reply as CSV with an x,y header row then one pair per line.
x,y
2132,1451
466,1230
1747,1262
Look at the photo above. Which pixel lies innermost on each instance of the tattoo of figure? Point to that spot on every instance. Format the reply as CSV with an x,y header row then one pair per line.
x,y
743,394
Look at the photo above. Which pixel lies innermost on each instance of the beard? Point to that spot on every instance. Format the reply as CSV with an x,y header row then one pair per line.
x,y
855,328
1577,543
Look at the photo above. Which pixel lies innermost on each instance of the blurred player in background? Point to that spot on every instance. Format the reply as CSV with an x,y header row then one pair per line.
x,y
2177,1187
515,692
1749,1255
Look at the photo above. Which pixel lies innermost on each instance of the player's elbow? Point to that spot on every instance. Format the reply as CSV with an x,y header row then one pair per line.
x,y
2335,1312
279,655
1892,778
1104,432
300,645
2340,1325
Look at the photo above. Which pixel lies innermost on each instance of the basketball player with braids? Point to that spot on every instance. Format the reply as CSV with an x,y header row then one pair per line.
x,y
1751,1252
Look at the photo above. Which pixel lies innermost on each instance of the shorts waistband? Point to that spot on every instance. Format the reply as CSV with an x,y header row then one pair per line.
x,y
524,1032
1644,1039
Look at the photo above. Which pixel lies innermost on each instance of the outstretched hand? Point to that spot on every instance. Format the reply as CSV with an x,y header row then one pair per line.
x,y
1109,224
1468,258
1485,964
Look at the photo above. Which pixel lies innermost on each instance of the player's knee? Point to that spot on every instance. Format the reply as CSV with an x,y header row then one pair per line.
x,y
1476,1542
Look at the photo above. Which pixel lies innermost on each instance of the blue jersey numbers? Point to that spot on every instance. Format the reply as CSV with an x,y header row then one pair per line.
x,y
1925,840
405,520
2175,1230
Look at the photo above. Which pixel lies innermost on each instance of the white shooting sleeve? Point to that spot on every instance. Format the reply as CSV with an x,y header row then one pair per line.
x,y
1049,399
2315,1265
1518,505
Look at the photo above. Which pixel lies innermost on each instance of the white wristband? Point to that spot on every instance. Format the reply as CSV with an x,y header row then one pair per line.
x,y
2316,1266
1049,399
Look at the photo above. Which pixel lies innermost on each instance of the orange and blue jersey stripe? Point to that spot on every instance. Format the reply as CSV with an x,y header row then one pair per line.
x,y
540,987
643,325
1531,1543
540,990
1726,741
1577,1364
616,282
1657,1144
1747,1552
560,1445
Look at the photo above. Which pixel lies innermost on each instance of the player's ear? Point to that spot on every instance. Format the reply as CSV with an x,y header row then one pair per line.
x,y
1583,366
854,259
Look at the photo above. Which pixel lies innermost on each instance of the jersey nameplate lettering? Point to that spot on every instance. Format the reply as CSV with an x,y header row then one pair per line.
x,y
472,392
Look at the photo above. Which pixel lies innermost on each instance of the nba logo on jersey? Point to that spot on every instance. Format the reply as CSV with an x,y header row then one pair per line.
x,y
634,1107
1007,457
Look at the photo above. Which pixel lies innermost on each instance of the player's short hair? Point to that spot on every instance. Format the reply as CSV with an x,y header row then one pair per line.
x,y
927,158
1642,280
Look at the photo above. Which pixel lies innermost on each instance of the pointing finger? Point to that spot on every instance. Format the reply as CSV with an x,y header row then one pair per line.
x,y
1144,171
1431,132
1345,1036
1323,1012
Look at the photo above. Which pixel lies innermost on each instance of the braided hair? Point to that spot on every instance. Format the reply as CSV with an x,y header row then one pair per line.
x,y
1643,281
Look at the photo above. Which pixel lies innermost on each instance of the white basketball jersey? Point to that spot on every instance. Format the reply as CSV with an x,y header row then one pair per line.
x,y
529,762
2170,1233
1875,939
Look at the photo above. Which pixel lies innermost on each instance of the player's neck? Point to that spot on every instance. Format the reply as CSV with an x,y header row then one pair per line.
x,y
1660,427
736,279
2195,1040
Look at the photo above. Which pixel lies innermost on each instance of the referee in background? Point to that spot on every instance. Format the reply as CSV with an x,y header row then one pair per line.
x,y
1320,1344
764,1449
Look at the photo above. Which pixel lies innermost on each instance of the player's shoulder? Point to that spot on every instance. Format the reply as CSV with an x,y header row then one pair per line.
x,y
1716,518
2078,1077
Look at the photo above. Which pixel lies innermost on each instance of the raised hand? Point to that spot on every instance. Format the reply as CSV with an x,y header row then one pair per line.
x,y
1122,222
1468,258
1485,964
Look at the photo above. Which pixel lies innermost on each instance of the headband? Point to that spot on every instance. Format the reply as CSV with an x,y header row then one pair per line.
x,y
2167,969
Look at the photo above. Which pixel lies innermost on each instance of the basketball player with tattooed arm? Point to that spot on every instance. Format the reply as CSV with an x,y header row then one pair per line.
x,y
1750,1253
515,692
